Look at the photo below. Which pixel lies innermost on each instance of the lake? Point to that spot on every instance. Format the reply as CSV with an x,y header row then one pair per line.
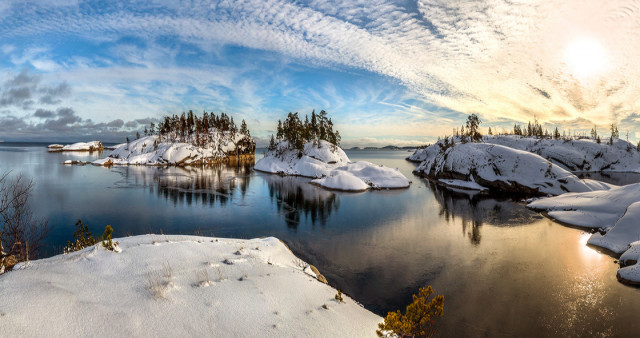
x,y
503,269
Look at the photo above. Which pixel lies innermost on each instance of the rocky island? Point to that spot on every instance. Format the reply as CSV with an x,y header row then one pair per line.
x,y
80,146
311,149
187,140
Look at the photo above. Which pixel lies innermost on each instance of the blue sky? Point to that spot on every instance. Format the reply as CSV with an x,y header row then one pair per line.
x,y
388,72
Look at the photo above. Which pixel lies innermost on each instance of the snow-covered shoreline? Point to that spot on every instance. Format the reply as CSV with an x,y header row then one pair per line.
x,y
330,168
152,151
499,169
615,213
161,285
575,155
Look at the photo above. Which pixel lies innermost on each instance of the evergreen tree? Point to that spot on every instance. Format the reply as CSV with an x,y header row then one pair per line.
x,y
243,128
280,132
473,124
272,143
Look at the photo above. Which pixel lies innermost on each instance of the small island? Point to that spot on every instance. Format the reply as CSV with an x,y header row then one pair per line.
x,y
311,149
186,140
80,146
528,163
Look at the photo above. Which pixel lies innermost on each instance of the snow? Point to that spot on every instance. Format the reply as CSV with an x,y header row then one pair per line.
x,y
583,155
80,146
630,271
177,286
144,152
341,180
113,147
330,167
616,211
499,169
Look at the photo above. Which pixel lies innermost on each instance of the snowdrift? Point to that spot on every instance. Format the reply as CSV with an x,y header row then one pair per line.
x,y
615,212
172,286
330,168
151,151
580,155
499,169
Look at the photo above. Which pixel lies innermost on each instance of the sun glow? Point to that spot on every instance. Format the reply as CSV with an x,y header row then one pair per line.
x,y
585,58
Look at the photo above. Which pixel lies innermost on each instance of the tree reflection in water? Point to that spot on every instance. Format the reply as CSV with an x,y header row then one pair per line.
x,y
475,209
294,196
188,185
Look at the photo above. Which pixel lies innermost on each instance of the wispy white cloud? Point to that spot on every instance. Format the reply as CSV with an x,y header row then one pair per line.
x,y
505,60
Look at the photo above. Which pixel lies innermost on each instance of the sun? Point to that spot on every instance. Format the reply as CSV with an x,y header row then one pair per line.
x,y
585,58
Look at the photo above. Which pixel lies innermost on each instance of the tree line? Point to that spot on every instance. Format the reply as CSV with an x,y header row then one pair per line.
x,y
297,133
197,130
470,132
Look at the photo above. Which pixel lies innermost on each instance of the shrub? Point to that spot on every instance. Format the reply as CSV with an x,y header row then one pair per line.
x,y
417,321
21,233
82,238
106,239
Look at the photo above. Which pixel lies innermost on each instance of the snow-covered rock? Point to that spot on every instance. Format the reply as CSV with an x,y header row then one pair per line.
x,y
629,272
615,212
80,146
330,167
174,286
580,155
115,146
499,169
150,150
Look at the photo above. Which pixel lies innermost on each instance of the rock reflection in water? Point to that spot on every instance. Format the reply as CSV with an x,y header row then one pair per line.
x,y
475,209
200,185
294,196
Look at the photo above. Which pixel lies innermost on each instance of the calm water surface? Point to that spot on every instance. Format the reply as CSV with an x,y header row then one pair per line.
x,y
504,270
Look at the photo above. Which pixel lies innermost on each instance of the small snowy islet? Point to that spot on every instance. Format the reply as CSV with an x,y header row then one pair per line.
x,y
79,146
330,168
151,151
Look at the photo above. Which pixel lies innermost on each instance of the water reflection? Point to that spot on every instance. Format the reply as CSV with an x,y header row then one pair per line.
x,y
294,197
474,209
209,185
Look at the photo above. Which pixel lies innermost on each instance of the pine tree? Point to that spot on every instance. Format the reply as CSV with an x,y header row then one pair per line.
x,y
280,132
243,128
272,143
473,123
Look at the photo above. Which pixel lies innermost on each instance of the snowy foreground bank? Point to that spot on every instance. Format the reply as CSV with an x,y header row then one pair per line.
x,y
498,169
330,167
150,150
615,212
177,286
80,146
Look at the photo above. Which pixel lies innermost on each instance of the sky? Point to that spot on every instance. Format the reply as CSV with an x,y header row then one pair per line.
x,y
388,72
